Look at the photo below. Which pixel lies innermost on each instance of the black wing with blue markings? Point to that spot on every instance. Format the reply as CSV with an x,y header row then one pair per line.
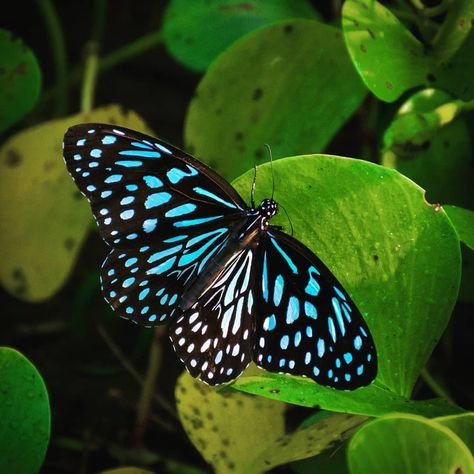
x,y
306,323
163,213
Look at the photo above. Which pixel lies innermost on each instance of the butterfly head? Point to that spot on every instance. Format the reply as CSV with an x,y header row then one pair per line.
x,y
268,208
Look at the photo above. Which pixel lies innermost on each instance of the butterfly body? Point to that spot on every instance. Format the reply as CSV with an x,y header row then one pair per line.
x,y
188,251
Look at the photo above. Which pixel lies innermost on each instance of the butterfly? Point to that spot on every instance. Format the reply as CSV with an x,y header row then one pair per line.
x,y
188,251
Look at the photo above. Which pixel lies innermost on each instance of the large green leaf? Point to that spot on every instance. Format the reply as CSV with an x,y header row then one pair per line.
x,y
392,251
391,60
290,85
196,32
462,425
246,434
405,443
426,144
44,218
463,222
20,79
24,413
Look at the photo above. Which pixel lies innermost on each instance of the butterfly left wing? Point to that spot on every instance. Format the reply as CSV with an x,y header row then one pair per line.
x,y
306,323
164,214
214,337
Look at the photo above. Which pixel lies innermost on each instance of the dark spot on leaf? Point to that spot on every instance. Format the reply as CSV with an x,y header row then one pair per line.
x,y
239,136
267,462
196,411
219,111
231,466
112,121
237,6
258,154
461,22
215,429
371,33
48,166
363,48
182,389
77,195
222,454
13,158
19,70
446,144
225,442
375,257
191,149
458,471
388,85
257,93
189,41
431,77
288,28
209,416
69,243
18,274
2,71
197,424
20,290
240,403
274,390
201,443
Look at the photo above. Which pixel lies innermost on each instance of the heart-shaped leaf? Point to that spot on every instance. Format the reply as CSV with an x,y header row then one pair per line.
x,y
393,252
290,85
25,414
20,79
44,218
196,32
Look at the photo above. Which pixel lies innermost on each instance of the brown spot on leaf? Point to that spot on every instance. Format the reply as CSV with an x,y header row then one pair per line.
x,y
371,33
363,48
257,93
375,257
239,136
431,77
69,243
288,29
13,158
388,85
258,153
237,6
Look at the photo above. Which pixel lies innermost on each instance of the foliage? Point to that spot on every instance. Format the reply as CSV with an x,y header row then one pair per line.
x,y
390,85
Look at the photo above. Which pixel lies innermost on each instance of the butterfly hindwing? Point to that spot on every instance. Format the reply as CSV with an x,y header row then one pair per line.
x,y
213,338
306,323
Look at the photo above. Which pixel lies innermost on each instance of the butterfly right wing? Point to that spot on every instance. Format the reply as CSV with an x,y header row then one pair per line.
x,y
213,338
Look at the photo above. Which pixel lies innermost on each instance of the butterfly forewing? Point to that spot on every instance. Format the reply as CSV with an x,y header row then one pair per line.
x,y
214,337
306,323
140,188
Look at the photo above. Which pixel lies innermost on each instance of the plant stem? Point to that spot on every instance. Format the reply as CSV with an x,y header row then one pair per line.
x,y
90,77
146,397
435,386
57,44
128,366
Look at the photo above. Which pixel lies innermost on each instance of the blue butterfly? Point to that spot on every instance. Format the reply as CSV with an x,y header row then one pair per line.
x,y
188,251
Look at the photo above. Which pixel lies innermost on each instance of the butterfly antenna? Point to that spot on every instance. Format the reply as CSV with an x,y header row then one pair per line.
x,y
289,220
271,164
252,191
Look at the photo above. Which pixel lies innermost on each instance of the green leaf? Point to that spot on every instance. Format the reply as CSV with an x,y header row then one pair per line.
x,y
462,425
245,434
424,143
394,253
20,79
463,222
44,218
391,60
25,414
407,443
291,85
228,429
195,33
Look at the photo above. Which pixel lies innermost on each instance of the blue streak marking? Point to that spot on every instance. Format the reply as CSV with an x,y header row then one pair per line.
x,y
332,329
149,225
189,257
152,182
297,339
284,341
310,310
140,153
113,178
321,347
199,238
265,278
141,145
338,363
172,300
362,331
270,323
132,236
312,288
293,310
285,256
309,331
357,342
192,222
157,199
175,175
278,290
108,140
205,192
337,310
181,210
163,267
175,239
129,163
346,314
163,148
152,318
339,293
143,294
164,253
